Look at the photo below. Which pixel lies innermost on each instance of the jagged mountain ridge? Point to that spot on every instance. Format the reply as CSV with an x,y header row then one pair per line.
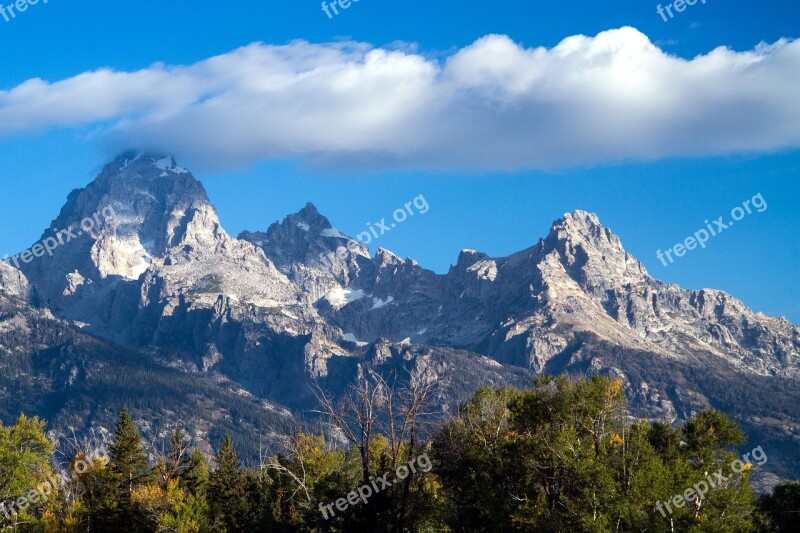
x,y
515,308
165,265
272,310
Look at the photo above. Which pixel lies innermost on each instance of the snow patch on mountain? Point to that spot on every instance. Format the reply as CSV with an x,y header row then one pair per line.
x,y
340,297
378,303
168,164
333,232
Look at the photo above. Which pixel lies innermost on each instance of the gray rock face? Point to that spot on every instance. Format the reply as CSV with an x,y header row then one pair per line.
x,y
138,208
13,283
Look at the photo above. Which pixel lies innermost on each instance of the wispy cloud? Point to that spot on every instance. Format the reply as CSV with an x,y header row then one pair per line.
x,y
493,105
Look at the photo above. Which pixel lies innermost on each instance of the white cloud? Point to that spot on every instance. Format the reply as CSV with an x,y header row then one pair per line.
x,y
491,105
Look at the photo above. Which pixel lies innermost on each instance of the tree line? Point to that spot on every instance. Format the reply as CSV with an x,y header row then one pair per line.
x,y
562,456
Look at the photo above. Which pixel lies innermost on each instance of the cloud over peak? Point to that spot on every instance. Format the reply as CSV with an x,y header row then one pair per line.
x,y
492,105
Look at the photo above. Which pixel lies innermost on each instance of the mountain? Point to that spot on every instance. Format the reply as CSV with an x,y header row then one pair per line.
x,y
275,312
79,382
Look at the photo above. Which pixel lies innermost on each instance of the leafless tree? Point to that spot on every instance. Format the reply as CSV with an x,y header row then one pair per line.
x,y
375,404
169,460
355,416
299,478
404,410
72,481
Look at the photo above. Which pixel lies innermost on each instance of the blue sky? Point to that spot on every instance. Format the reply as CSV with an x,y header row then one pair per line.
x,y
652,198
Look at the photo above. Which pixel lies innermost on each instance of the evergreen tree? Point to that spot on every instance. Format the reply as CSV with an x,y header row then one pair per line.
x,y
780,511
127,470
195,476
562,457
227,489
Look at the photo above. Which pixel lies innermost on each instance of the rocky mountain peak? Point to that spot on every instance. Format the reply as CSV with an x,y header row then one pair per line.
x,y
141,190
590,254
311,216
306,225
307,238
138,207
467,258
386,258
157,174
584,228
319,259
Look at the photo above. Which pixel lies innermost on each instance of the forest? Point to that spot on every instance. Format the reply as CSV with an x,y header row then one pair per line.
x,y
561,456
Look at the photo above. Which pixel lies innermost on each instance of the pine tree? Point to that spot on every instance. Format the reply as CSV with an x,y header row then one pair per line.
x,y
195,476
128,457
127,470
227,490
